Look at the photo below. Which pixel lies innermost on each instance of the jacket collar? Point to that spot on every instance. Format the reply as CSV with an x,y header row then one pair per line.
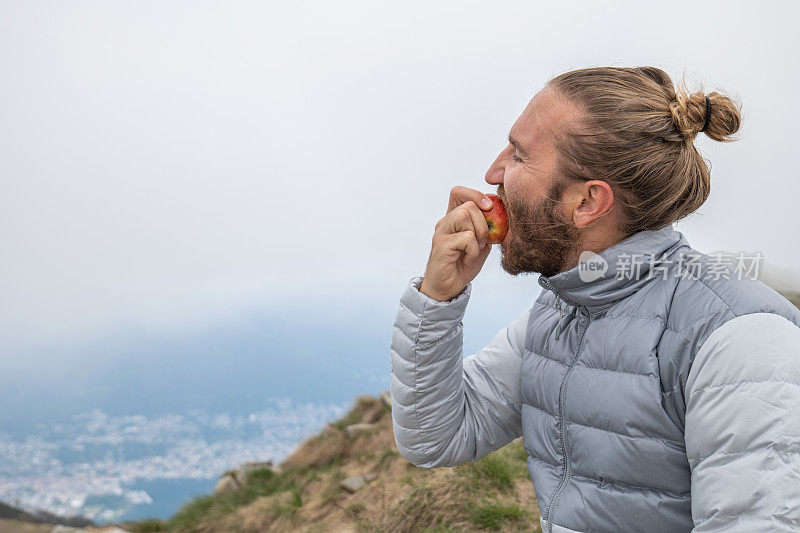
x,y
616,272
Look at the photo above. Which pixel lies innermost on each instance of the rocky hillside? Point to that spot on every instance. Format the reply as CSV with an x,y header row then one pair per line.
x,y
350,477
14,520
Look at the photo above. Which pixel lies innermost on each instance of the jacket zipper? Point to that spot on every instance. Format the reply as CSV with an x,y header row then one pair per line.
x,y
560,316
562,406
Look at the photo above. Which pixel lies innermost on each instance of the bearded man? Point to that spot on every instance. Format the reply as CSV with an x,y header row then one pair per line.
x,y
658,390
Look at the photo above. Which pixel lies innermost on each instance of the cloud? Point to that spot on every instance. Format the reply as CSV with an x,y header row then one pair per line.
x,y
171,165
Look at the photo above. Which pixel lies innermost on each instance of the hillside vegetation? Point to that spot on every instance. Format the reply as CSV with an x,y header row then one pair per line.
x,y
350,477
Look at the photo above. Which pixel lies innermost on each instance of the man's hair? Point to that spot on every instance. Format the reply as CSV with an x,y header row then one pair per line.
x,y
637,133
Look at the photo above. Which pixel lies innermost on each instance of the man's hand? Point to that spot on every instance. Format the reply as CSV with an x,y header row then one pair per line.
x,y
459,248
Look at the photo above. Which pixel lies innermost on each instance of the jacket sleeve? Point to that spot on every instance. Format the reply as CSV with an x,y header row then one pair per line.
x,y
743,427
447,409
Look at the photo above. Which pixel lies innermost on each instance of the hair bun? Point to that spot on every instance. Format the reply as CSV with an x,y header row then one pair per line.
x,y
690,117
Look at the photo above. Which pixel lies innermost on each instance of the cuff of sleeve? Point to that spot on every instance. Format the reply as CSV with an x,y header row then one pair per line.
x,y
435,318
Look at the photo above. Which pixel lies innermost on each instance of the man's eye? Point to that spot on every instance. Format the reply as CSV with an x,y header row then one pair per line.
x,y
516,158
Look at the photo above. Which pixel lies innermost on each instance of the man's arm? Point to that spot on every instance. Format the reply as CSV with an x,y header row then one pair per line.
x,y
448,410
743,427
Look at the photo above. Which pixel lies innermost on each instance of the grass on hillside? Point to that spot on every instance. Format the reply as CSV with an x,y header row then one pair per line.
x,y
306,495
263,482
493,515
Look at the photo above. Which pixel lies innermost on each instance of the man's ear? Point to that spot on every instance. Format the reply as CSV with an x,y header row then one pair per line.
x,y
591,200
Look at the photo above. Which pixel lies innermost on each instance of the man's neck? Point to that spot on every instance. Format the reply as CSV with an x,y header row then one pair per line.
x,y
594,241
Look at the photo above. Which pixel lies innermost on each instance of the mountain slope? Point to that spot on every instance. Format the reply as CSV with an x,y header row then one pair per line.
x,y
350,477
14,520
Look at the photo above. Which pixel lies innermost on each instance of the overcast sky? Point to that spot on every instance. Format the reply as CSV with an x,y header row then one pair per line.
x,y
172,164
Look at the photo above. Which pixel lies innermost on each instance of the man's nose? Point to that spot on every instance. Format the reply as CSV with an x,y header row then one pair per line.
x,y
494,176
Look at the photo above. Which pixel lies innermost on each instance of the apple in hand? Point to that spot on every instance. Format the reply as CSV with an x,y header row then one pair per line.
x,y
497,220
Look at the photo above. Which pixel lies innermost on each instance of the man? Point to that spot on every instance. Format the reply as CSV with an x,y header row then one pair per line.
x,y
656,388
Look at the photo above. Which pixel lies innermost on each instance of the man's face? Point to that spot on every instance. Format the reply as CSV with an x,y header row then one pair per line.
x,y
541,237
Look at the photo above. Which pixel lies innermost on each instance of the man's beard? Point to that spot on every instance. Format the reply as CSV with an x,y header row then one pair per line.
x,y
542,239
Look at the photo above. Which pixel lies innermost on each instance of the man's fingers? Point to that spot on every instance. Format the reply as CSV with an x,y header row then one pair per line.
x,y
461,195
468,217
471,248
458,246
463,241
482,254
479,223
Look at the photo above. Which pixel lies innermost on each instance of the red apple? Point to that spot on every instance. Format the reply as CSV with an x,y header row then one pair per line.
x,y
497,219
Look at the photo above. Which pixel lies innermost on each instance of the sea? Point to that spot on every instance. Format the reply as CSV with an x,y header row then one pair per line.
x,y
138,425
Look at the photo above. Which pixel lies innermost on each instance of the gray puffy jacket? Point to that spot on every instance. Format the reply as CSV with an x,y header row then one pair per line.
x,y
659,392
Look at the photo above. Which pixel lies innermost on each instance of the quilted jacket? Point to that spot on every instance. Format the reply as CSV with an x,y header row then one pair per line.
x,y
656,389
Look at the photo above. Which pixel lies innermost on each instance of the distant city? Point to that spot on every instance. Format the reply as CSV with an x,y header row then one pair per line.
x,y
110,468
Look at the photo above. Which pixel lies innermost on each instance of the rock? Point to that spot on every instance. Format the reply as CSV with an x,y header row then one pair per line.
x,y
353,484
354,429
227,483
235,480
386,398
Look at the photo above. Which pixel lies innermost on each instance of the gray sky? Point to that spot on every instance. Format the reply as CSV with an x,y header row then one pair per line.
x,y
171,164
